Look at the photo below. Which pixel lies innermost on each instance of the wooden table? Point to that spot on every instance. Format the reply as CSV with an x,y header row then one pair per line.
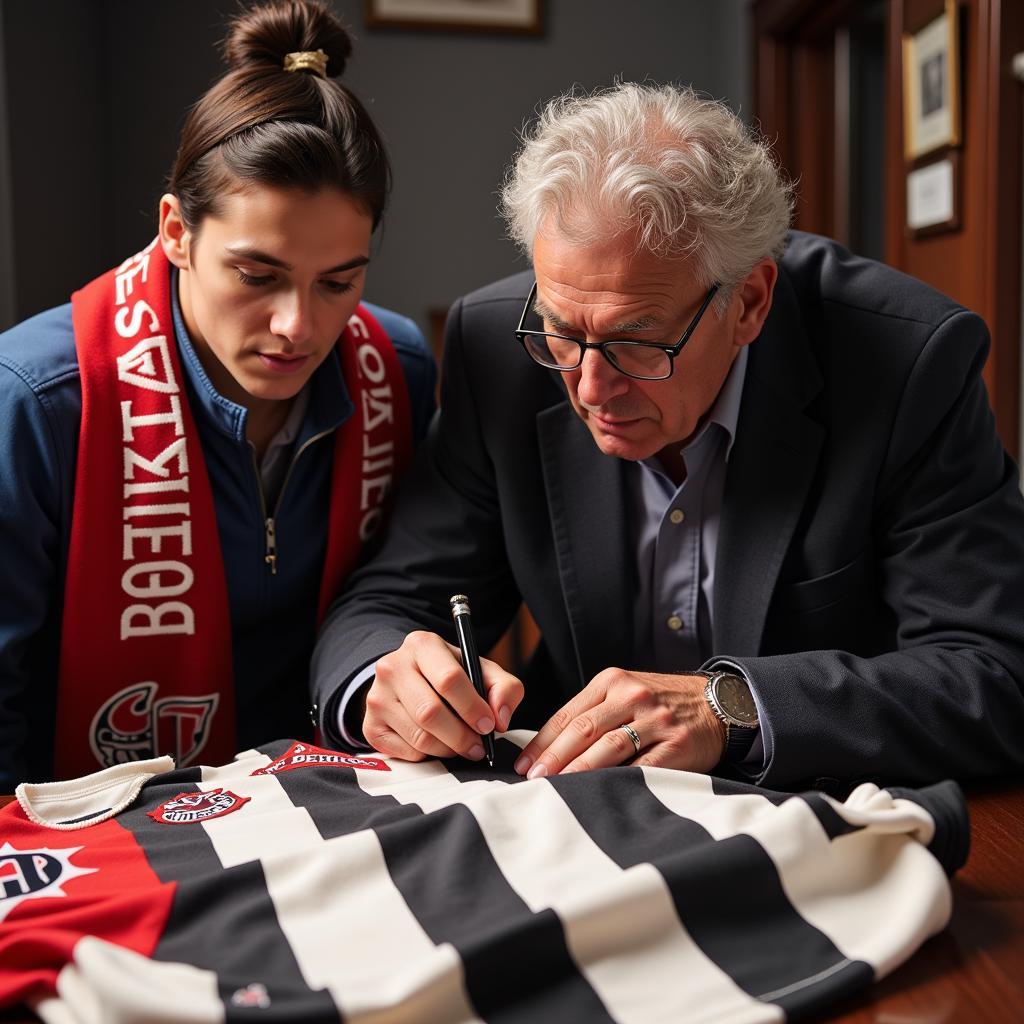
x,y
973,972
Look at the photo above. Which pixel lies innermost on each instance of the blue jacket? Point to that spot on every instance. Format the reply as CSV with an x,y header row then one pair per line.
x,y
273,616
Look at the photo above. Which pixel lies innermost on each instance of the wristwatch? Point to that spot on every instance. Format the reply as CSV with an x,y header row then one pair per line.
x,y
732,702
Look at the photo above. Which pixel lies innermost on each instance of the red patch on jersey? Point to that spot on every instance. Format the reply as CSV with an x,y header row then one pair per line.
x,y
57,890
304,755
190,808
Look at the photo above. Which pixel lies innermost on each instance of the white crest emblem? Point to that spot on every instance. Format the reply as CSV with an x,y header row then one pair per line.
x,y
35,873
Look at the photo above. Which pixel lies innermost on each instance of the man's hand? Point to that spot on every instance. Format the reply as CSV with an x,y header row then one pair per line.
x,y
675,724
406,711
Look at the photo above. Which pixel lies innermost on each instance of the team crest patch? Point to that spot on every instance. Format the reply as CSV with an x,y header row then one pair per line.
x,y
190,808
136,723
303,755
30,874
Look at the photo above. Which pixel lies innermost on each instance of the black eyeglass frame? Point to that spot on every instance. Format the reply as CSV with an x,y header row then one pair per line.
x,y
671,351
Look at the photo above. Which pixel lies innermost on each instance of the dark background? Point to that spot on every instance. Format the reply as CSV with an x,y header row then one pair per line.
x,y
93,94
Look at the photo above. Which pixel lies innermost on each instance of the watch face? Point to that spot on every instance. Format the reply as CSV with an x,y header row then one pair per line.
x,y
735,699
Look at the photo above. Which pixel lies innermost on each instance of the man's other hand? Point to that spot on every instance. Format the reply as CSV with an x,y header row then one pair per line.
x,y
669,715
421,703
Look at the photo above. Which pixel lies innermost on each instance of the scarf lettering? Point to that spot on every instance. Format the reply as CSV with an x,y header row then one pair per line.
x,y
146,655
148,366
378,464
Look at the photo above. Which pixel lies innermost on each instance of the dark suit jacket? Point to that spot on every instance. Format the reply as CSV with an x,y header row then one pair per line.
x,y
870,572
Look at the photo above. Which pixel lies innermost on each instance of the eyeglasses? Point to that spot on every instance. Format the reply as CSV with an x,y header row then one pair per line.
x,y
643,360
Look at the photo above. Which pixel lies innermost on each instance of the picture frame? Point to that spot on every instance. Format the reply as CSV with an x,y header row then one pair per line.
x,y
931,84
519,17
933,196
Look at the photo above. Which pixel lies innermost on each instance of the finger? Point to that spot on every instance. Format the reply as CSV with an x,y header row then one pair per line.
x,y
387,741
423,721
664,755
388,727
504,692
590,696
548,732
578,739
420,739
412,699
615,747
441,665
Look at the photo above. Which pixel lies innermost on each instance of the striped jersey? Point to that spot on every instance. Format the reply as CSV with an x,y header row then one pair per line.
x,y
301,884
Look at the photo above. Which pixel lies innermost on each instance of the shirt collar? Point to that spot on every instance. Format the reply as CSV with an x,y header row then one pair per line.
x,y
726,409
725,412
329,403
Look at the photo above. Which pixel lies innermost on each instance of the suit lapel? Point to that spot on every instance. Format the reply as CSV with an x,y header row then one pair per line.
x,y
771,467
587,501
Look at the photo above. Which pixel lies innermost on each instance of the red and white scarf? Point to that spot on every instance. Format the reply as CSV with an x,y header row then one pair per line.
x,y
146,665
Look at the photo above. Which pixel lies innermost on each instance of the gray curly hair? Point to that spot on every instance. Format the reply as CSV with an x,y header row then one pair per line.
x,y
680,170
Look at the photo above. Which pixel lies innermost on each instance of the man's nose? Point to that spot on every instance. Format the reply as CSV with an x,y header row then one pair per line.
x,y
292,318
599,381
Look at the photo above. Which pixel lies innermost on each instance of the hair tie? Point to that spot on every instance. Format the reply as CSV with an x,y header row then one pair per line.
x,y
307,60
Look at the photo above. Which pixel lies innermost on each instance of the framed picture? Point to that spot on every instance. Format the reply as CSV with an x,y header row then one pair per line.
x,y
516,16
933,197
931,85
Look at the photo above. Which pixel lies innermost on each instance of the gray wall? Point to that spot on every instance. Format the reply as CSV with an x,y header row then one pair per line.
x,y
93,133
451,107
53,99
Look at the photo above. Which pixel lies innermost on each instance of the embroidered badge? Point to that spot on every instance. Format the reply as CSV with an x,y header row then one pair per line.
x,y
253,995
304,755
30,874
189,808
134,724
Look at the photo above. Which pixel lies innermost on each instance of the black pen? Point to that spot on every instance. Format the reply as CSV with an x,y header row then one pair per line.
x,y
470,659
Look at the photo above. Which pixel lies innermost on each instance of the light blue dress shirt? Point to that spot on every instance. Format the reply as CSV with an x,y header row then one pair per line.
x,y
676,530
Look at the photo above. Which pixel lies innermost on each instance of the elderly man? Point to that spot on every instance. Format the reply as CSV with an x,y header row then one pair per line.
x,y
747,483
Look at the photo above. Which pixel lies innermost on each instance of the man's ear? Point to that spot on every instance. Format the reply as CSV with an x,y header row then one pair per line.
x,y
175,238
754,293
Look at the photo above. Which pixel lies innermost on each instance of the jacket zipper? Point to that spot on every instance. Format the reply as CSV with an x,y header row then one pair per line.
x,y
269,525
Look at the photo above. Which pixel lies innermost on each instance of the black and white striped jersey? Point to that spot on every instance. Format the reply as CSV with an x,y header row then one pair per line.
x,y
298,884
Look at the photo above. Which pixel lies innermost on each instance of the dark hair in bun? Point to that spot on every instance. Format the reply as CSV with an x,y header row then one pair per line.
x,y
288,129
263,35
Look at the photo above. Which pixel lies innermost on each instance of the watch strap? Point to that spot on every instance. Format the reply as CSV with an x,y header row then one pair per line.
x,y
738,741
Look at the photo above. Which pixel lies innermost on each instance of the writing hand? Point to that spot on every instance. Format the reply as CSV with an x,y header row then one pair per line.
x,y
421,703
675,726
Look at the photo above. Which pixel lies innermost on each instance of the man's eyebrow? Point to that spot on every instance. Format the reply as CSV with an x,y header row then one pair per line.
x,y
546,313
644,323
272,261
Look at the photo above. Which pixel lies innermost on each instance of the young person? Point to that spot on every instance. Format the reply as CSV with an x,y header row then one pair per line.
x,y
198,447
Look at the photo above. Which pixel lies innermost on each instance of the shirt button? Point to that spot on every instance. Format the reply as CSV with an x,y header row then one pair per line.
x,y
676,516
674,622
